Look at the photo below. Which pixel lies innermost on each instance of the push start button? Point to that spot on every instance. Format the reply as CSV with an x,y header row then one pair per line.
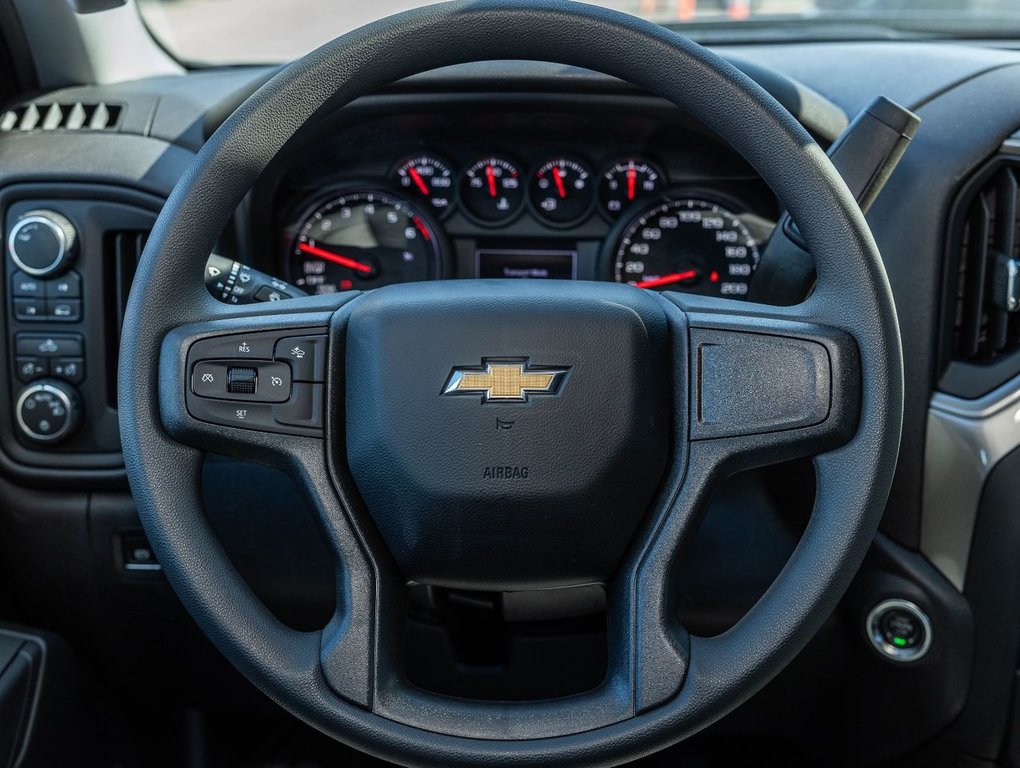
x,y
899,630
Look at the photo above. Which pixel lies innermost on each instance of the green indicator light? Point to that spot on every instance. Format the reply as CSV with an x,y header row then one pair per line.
x,y
899,642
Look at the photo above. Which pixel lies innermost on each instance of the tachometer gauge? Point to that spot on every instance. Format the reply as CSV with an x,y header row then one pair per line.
x,y
561,191
430,179
360,240
625,183
491,190
690,245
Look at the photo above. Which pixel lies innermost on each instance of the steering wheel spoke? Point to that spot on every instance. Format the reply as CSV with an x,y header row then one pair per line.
x,y
766,384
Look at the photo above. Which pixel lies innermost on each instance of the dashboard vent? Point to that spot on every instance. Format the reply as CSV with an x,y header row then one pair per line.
x,y
71,116
987,232
122,250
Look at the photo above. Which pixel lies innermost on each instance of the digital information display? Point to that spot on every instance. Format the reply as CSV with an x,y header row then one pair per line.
x,y
525,263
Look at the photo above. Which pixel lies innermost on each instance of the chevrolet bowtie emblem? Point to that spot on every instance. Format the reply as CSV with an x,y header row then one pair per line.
x,y
506,380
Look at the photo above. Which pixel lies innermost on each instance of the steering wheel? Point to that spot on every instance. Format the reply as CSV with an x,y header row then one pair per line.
x,y
628,409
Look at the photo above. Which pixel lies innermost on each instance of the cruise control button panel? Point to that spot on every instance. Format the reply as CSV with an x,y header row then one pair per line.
x,y
269,381
255,381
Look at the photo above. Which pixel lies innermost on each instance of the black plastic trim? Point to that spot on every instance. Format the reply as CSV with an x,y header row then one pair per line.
x,y
993,591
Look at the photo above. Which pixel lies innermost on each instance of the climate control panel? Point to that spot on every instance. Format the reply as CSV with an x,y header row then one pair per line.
x,y
69,253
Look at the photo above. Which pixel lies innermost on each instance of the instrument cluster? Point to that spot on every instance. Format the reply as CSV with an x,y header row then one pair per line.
x,y
560,217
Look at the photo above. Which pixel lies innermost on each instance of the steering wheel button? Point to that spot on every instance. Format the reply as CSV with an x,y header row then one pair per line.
x,y
306,355
247,346
242,381
233,414
261,381
304,409
209,379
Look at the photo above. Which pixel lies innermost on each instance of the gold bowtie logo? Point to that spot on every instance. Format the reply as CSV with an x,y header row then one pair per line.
x,y
505,380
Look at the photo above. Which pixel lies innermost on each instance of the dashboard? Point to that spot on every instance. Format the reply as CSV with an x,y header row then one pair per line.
x,y
631,195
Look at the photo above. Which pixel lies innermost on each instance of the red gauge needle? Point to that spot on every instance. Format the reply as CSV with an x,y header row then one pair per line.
x,y
631,181
675,277
336,258
418,181
490,175
558,178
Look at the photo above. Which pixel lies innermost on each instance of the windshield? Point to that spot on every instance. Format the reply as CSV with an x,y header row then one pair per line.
x,y
270,31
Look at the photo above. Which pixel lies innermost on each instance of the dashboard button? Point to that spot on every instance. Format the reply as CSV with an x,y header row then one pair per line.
x,y
48,411
68,310
29,309
27,287
65,287
49,345
42,243
69,369
137,554
306,355
899,630
30,368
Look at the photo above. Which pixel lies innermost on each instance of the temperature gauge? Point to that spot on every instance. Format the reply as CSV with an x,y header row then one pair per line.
x,y
430,179
625,183
491,190
561,191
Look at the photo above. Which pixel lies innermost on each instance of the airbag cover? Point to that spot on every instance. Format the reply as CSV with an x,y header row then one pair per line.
x,y
504,438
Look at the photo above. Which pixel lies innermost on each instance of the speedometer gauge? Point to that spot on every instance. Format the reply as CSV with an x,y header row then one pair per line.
x,y
690,245
360,240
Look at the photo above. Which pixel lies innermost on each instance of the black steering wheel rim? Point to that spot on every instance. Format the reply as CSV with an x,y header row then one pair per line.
x,y
852,295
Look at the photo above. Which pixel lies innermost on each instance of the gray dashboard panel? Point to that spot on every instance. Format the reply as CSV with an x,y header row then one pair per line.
x,y
850,74
142,163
